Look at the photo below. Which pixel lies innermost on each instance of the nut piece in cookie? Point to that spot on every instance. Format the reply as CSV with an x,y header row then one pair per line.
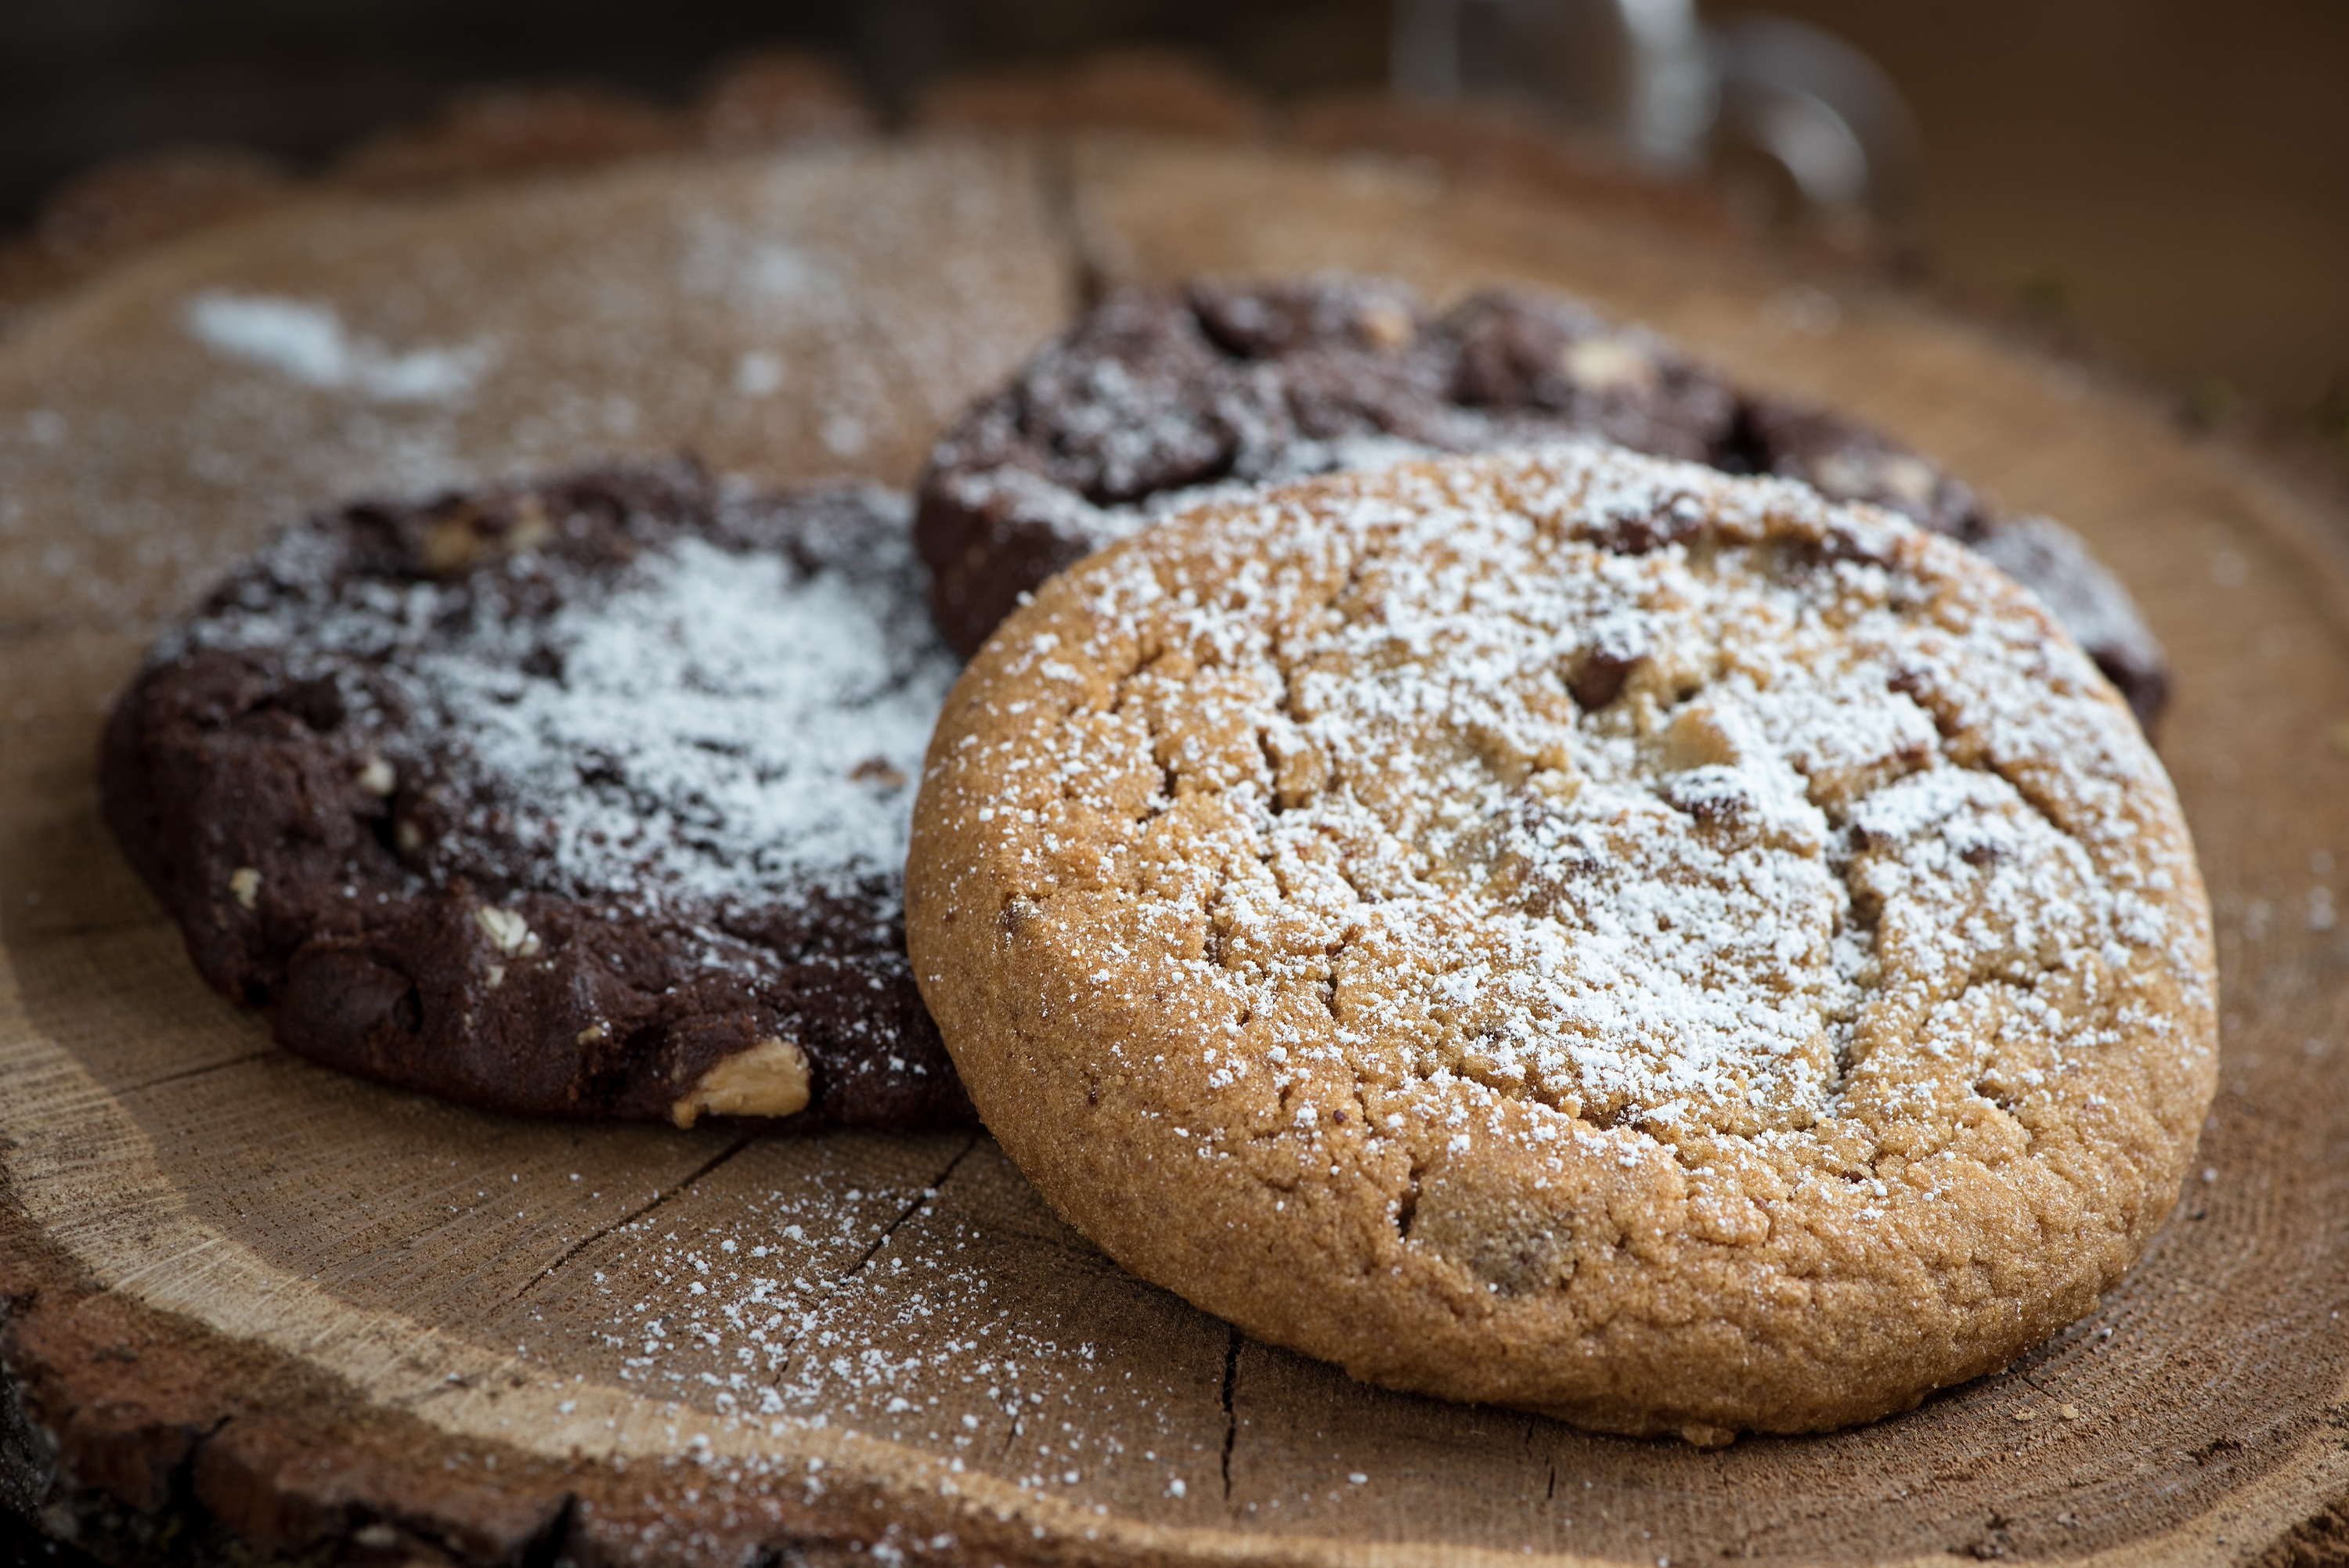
x,y
1157,396
581,798
769,1080
1575,931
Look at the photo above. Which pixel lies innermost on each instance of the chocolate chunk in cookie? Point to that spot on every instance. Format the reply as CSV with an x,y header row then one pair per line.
x,y
1846,460
1156,396
581,798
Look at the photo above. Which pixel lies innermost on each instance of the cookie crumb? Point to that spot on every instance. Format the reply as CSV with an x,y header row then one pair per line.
x,y
1387,325
1607,365
878,771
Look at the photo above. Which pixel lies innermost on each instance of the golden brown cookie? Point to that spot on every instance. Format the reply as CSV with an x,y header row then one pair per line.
x,y
1576,931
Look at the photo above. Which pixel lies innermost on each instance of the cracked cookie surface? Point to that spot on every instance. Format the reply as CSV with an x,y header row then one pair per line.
x,y
585,797
1576,931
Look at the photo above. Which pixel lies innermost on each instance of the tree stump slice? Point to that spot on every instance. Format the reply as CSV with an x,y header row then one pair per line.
x,y
258,1308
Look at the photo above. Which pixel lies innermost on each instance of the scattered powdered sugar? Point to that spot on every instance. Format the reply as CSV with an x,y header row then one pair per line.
x,y
860,1295
724,726
307,342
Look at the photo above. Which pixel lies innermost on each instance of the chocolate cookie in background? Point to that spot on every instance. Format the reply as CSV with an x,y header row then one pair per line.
x,y
584,798
1156,394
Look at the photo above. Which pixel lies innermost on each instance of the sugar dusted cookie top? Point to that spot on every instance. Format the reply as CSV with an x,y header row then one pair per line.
x,y
1573,930
584,796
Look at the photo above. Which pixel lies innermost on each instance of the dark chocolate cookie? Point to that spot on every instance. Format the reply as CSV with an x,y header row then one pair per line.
x,y
1157,394
584,798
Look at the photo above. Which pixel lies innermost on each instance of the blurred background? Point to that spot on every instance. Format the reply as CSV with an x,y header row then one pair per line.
x,y
2164,177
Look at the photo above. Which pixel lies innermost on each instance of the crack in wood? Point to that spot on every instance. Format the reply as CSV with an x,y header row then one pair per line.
x,y
661,1196
1058,190
186,1073
78,931
1018,1430
544,1549
930,1190
922,1198
1231,1419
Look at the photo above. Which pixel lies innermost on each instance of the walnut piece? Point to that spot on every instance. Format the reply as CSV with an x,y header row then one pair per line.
x,y
770,1079
1387,327
450,546
1607,365
507,931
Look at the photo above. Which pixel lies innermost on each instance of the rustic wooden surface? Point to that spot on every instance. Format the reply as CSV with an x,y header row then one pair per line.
x,y
256,1306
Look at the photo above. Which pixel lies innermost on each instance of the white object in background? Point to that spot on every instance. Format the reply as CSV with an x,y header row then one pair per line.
x,y
1635,72
1672,91
1649,76
1823,112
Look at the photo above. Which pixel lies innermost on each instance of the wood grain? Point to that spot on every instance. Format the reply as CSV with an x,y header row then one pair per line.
x,y
298,1313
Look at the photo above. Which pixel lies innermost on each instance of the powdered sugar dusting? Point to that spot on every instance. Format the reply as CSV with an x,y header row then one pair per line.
x,y
1622,940
725,727
1544,805
705,727
867,1294
307,342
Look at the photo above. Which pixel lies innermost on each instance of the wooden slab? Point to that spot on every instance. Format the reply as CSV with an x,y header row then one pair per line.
x,y
257,1307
